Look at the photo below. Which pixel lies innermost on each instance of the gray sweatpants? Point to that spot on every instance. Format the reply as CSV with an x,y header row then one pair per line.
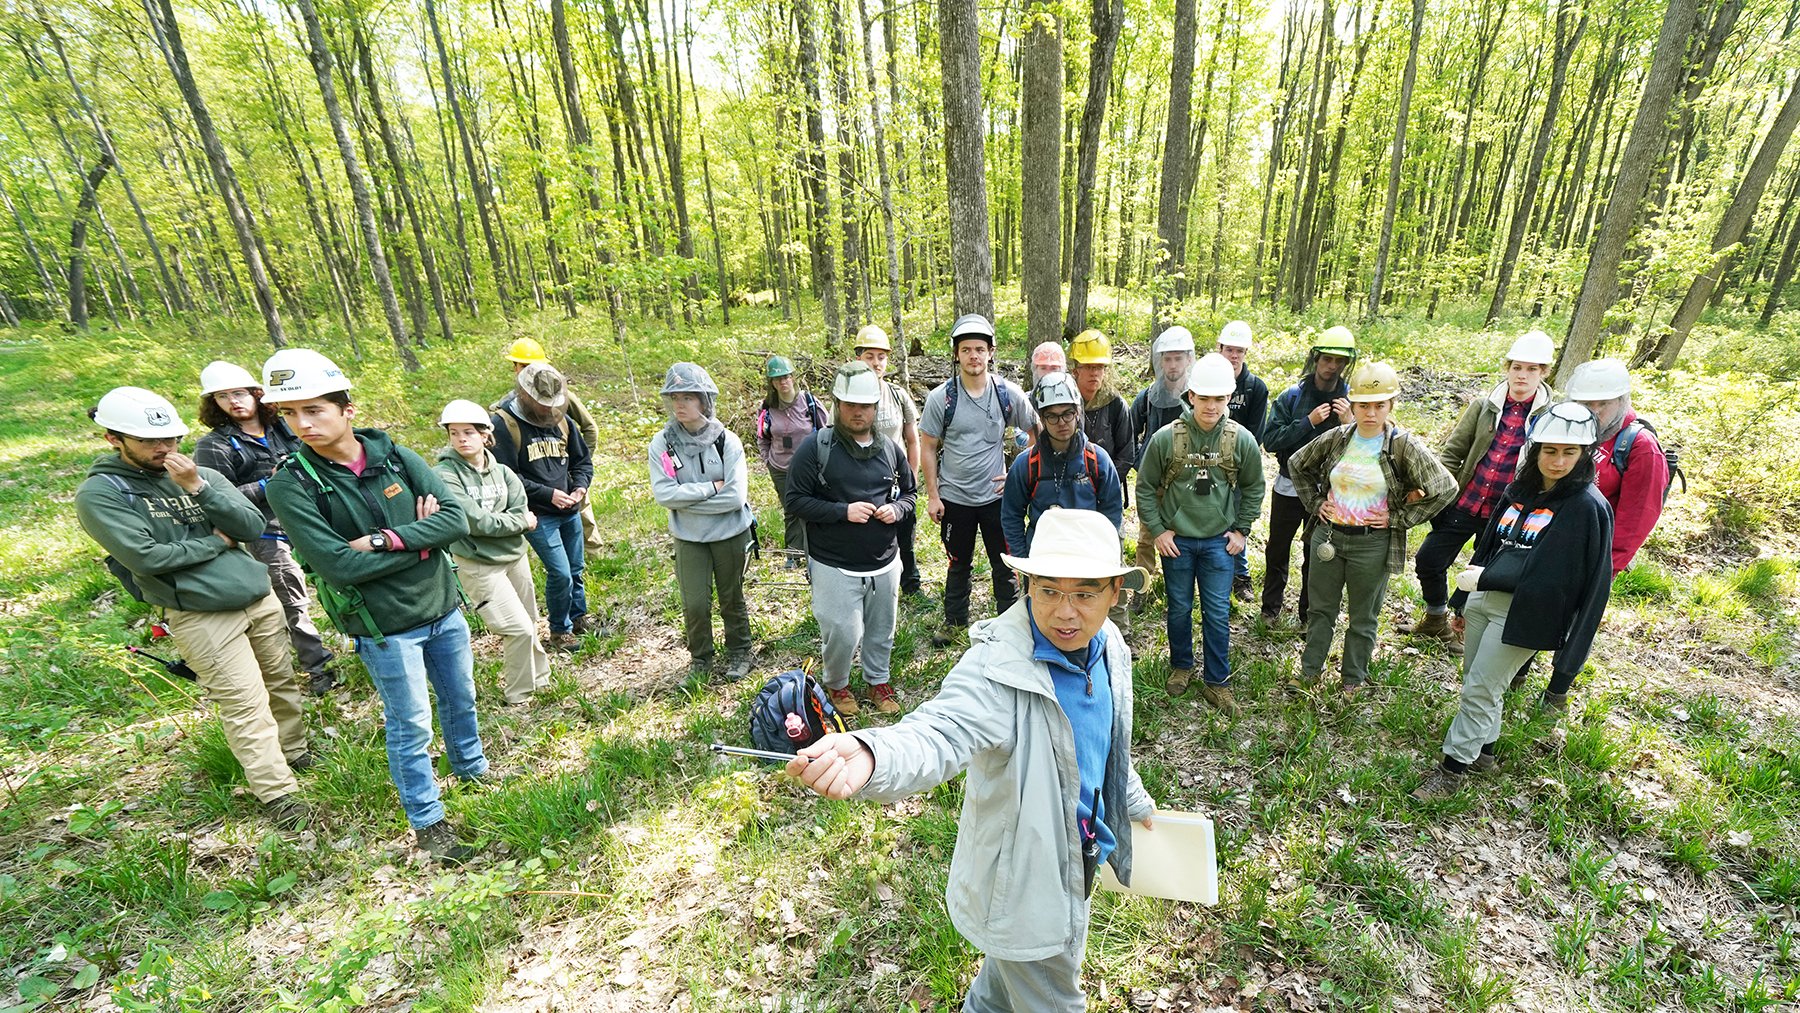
x,y
854,611
1051,985
1359,567
1488,666
289,585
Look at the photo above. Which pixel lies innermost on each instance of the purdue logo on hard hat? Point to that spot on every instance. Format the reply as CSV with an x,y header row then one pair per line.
x,y
281,376
157,417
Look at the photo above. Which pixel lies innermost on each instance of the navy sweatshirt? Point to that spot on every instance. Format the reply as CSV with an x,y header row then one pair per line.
x,y
881,477
548,460
1289,429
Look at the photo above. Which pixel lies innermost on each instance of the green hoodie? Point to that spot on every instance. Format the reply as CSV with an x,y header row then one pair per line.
x,y
494,499
164,537
402,589
1186,512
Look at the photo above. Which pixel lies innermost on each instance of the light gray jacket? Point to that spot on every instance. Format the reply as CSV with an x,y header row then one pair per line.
x,y
683,484
1016,888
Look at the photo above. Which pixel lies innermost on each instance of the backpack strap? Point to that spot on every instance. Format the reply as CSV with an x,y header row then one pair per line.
x,y
762,423
338,602
822,452
512,430
951,388
815,412
1178,454
1092,459
1621,452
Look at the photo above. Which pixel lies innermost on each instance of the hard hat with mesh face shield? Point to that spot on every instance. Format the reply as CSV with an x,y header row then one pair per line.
x,y
1336,341
1566,422
1175,339
689,378
137,412
300,374
1048,355
1599,380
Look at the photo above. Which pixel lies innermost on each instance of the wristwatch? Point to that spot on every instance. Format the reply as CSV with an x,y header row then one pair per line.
x,y
378,542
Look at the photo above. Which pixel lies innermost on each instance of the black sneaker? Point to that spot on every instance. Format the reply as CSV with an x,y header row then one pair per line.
x,y
304,762
439,840
321,682
288,812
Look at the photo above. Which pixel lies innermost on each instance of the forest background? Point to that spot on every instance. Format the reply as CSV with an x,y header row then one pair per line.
x,y
409,187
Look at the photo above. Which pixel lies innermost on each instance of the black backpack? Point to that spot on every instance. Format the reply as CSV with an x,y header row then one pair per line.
x,y
1621,454
791,712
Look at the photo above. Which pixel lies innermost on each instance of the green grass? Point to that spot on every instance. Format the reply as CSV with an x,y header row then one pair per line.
x,y
129,845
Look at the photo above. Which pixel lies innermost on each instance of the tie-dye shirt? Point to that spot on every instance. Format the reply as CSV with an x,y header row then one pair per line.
x,y
1358,488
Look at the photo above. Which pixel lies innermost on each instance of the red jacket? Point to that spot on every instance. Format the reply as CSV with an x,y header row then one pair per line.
x,y
1636,496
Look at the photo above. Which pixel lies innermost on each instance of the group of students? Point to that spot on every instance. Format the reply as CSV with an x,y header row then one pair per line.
x,y
395,547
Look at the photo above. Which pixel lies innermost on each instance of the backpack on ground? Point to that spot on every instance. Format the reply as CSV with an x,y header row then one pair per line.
x,y
1621,454
1180,458
791,712
1034,465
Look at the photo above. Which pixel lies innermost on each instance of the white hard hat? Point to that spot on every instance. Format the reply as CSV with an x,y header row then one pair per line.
x,y
300,374
1236,334
466,412
1054,388
1077,545
1566,422
1212,376
221,375
137,412
1175,339
1533,346
856,383
1599,380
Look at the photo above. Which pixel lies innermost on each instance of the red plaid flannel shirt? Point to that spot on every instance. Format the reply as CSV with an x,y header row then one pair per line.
x,y
1499,463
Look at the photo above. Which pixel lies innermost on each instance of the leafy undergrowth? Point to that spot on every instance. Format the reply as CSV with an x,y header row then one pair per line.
x,y
1640,856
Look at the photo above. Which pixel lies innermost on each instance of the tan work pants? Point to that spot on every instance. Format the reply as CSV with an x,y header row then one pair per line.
x,y
242,659
507,603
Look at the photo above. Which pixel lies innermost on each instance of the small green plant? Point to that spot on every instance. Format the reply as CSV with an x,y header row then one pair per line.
x,y
1759,580
1569,941
1643,582
91,822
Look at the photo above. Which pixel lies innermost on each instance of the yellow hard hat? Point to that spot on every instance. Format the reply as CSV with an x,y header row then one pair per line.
x,y
1090,348
872,336
526,350
1374,381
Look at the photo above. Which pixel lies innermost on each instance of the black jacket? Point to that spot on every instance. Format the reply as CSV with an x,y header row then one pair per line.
x,y
1146,419
1289,428
1109,428
246,462
1553,550
546,460
880,478
1250,403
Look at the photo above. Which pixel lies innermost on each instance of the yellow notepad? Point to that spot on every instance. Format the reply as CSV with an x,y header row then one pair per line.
x,y
1174,860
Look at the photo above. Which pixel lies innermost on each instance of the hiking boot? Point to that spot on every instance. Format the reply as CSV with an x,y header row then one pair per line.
x,y
948,636
844,701
493,777
304,762
1242,591
288,812
699,671
1178,681
579,625
885,699
321,682
564,643
1437,627
1553,705
1351,687
1519,677
1484,763
1441,782
1221,699
439,840
738,668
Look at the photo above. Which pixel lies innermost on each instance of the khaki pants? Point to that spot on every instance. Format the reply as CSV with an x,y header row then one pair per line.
x,y
242,659
590,529
506,602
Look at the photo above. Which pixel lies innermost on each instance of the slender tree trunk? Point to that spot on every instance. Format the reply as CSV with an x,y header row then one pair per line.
x,y
965,173
52,299
847,130
1600,285
477,182
712,209
1564,48
824,261
1399,155
1104,20
1732,227
581,138
1171,214
1784,273
896,327
1040,173
78,231
168,37
320,55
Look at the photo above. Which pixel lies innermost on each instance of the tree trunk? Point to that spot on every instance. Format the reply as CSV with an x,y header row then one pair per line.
x,y
78,231
477,183
1040,175
52,300
320,55
1104,20
965,172
581,137
846,164
712,209
1600,285
896,328
1731,232
1565,44
1399,155
1784,273
824,260
1171,214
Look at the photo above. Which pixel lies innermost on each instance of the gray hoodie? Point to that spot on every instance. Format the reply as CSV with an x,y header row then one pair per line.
x,y
494,499
1016,888
682,483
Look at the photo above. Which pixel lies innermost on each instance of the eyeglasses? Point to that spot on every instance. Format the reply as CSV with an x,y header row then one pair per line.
x,y
1055,597
1058,418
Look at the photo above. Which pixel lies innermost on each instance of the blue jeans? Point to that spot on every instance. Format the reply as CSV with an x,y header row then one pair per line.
x,y
557,539
1203,562
1241,569
435,655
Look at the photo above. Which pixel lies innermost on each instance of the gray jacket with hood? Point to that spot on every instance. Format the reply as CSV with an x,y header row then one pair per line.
x,y
1016,879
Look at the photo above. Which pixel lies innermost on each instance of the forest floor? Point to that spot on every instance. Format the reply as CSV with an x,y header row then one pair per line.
x,y
1645,855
